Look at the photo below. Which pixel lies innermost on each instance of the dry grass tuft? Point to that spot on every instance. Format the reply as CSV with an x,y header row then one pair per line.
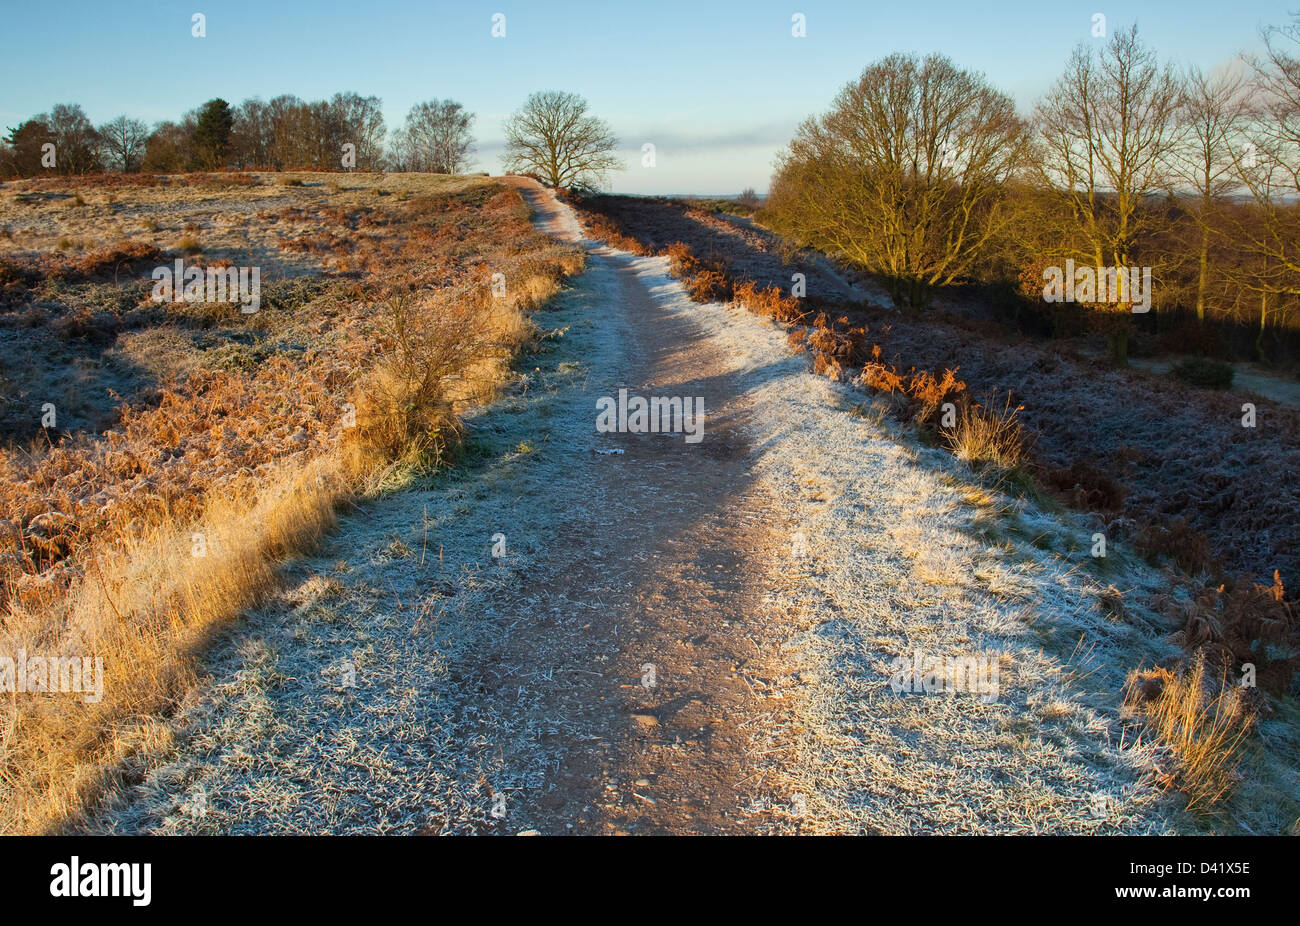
x,y
986,434
405,413
1204,728
120,258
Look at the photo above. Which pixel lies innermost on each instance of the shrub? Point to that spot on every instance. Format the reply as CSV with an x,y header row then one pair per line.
x,y
1188,547
924,394
930,393
769,302
1085,487
123,256
706,279
881,377
404,412
1244,622
1208,374
709,286
605,229
837,347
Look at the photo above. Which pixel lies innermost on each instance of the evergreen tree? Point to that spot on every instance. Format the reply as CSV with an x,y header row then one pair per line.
x,y
212,136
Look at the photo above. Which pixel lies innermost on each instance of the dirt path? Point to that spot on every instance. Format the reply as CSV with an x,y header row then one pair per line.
x,y
675,546
1247,377
681,637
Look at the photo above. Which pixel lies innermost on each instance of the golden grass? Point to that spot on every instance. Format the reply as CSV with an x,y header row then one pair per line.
x,y
145,608
148,607
985,434
1203,727
150,589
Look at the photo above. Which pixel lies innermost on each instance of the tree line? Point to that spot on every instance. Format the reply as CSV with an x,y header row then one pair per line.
x,y
927,176
552,136
346,131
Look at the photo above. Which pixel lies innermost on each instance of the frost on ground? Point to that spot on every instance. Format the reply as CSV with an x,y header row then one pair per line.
x,y
346,706
890,565
408,682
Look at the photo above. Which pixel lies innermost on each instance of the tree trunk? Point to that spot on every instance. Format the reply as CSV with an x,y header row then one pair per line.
x,y
1119,348
1263,320
1204,273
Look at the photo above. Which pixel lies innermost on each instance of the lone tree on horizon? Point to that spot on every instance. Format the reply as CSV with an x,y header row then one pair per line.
x,y
553,136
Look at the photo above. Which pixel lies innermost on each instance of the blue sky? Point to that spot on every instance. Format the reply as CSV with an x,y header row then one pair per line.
x,y
717,87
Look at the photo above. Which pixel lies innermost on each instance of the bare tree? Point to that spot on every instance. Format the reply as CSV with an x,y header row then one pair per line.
x,y
1213,109
553,136
78,144
401,155
903,176
289,119
1106,133
124,142
1267,163
252,141
170,148
1278,87
359,121
435,138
